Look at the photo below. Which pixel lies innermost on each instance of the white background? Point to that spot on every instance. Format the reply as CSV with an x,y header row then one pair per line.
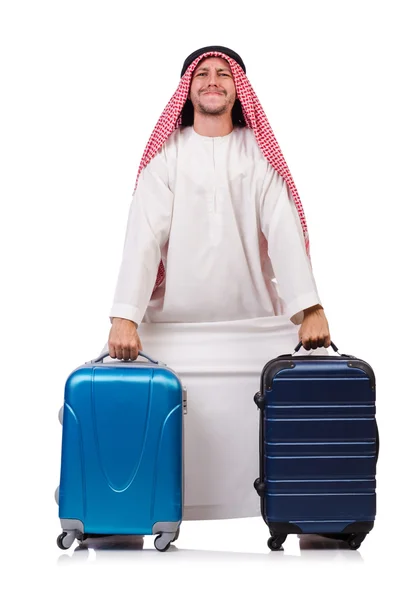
x,y
82,86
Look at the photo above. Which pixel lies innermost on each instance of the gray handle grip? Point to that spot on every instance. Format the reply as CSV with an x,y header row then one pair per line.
x,y
105,354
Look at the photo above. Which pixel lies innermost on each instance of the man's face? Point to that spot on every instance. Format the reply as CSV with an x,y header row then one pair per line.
x,y
212,89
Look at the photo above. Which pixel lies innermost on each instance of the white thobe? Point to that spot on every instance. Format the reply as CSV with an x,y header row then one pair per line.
x,y
224,224
237,280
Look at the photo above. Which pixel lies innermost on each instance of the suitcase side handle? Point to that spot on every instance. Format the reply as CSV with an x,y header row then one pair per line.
x,y
105,354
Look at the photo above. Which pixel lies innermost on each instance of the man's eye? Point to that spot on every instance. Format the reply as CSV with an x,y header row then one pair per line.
x,y
225,74
199,74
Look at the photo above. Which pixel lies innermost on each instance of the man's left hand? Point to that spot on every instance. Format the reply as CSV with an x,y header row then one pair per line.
x,y
314,331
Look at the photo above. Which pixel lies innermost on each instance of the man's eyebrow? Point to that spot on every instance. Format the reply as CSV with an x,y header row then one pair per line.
x,y
219,70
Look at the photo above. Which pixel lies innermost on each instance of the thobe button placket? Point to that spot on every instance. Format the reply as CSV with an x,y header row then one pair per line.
x,y
211,182
215,188
215,217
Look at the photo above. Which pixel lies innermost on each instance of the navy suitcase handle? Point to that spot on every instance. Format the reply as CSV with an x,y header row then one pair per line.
x,y
299,346
333,346
105,354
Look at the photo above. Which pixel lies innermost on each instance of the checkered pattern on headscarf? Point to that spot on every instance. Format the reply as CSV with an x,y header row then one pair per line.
x,y
255,119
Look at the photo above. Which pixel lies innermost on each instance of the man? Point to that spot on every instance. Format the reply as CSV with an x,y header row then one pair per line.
x,y
216,263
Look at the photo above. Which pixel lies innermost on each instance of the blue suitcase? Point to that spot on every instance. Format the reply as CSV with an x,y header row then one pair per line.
x,y
122,452
319,446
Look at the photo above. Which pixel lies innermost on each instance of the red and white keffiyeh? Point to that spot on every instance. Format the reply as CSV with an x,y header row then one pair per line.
x,y
255,119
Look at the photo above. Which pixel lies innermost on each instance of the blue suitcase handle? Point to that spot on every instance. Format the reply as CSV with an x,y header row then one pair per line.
x,y
105,354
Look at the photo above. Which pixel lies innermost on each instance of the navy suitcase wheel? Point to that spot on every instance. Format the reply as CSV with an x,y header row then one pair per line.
x,y
319,446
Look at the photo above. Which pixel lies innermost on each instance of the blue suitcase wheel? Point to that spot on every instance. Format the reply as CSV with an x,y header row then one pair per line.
x,y
164,540
161,544
60,539
65,540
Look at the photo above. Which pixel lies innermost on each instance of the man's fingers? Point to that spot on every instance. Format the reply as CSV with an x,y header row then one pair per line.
x,y
126,352
123,351
124,342
134,352
130,352
312,343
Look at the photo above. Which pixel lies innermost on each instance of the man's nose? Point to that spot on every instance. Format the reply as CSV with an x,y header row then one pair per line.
x,y
213,78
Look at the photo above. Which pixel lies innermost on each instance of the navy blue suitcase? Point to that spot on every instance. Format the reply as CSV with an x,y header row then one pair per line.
x,y
319,446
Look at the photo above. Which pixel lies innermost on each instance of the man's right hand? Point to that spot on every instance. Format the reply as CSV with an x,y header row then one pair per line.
x,y
124,342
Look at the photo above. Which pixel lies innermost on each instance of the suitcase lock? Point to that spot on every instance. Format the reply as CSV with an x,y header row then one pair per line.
x,y
184,400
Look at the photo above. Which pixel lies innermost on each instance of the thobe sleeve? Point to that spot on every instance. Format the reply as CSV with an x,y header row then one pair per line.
x,y
281,227
148,229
